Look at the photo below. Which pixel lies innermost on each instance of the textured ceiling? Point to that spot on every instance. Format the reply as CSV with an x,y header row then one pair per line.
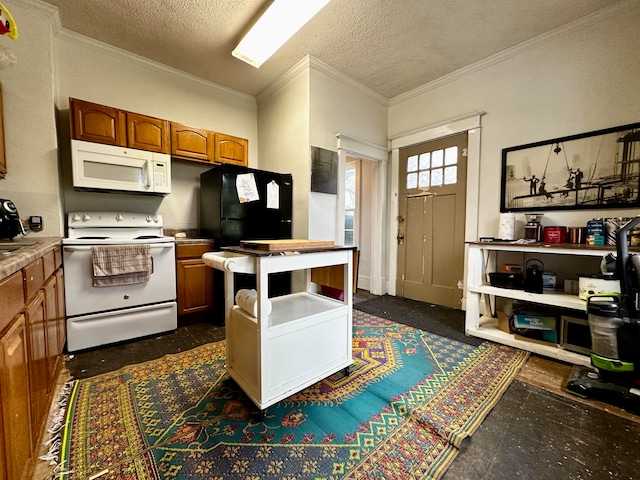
x,y
391,46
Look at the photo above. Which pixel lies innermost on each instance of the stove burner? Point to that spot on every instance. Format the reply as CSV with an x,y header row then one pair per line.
x,y
143,237
93,238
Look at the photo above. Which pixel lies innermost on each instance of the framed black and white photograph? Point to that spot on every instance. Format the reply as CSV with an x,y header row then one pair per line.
x,y
324,170
599,169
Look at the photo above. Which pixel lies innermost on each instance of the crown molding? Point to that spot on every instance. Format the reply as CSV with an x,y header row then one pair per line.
x,y
308,63
148,64
285,78
328,70
579,24
62,33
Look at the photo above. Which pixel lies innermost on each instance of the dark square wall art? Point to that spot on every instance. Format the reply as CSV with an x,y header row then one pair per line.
x,y
324,170
599,169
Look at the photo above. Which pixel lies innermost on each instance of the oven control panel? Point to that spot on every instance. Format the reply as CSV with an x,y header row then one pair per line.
x,y
113,219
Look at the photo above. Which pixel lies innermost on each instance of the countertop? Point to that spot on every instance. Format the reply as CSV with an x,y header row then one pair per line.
x,y
23,257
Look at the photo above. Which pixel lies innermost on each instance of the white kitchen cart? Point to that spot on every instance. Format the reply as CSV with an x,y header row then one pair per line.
x,y
482,259
307,336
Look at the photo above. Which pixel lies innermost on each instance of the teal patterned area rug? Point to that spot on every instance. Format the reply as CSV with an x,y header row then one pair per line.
x,y
402,412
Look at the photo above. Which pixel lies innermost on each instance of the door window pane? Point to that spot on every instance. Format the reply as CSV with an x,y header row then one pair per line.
x,y
450,175
451,156
436,158
436,177
412,163
425,161
412,180
424,179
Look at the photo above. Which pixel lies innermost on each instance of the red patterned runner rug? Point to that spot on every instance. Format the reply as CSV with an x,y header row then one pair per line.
x,y
410,400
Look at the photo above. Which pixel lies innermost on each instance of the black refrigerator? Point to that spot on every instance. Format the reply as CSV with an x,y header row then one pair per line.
x,y
240,203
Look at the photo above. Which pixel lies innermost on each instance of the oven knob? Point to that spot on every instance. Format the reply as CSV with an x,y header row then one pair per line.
x,y
86,217
77,218
149,219
126,297
156,219
119,217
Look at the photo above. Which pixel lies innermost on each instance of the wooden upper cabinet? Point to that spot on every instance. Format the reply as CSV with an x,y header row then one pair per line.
x,y
97,123
192,143
148,133
232,150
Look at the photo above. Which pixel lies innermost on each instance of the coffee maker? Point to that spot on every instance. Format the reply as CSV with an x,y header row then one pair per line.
x,y
533,228
10,223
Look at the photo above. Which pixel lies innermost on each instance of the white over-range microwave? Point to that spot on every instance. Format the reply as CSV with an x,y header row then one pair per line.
x,y
106,167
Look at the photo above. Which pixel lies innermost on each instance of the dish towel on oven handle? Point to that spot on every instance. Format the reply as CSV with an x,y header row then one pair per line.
x,y
121,264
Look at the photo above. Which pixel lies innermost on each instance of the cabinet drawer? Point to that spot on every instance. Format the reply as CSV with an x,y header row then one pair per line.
x,y
194,250
33,278
12,295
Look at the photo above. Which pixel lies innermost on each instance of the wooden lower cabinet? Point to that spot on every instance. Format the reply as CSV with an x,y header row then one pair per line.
x,y
31,342
17,442
194,280
61,326
38,369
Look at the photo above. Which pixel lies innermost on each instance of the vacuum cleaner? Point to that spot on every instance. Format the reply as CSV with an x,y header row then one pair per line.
x,y
614,324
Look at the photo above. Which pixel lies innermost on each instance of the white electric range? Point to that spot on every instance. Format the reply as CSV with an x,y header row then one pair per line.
x,y
102,315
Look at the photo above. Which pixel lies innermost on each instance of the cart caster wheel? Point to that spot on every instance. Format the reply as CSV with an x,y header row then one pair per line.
x,y
262,415
347,370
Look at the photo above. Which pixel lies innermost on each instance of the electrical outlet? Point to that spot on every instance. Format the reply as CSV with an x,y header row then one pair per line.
x,y
35,223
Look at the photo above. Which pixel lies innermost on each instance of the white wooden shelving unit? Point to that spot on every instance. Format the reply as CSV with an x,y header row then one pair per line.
x,y
305,338
482,260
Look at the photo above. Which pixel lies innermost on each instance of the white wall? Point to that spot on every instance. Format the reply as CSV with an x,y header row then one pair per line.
x,y
29,119
583,77
340,105
91,71
283,125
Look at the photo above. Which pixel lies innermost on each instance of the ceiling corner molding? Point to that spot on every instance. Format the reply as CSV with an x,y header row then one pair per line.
x,y
82,40
282,80
328,70
579,24
362,148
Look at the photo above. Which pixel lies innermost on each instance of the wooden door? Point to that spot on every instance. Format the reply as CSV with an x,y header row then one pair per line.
x,y
232,150
98,123
16,444
192,143
431,221
38,369
148,133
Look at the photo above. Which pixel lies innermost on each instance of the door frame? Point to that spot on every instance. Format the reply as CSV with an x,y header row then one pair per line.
x,y
471,124
364,150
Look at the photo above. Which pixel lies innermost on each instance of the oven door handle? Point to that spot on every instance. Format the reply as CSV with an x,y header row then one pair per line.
x,y
88,247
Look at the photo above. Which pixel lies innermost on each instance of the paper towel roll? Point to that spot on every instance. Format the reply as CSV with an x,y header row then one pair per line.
x,y
506,230
247,300
219,262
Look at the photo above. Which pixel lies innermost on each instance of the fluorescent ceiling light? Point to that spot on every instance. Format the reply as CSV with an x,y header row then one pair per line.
x,y
277,25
